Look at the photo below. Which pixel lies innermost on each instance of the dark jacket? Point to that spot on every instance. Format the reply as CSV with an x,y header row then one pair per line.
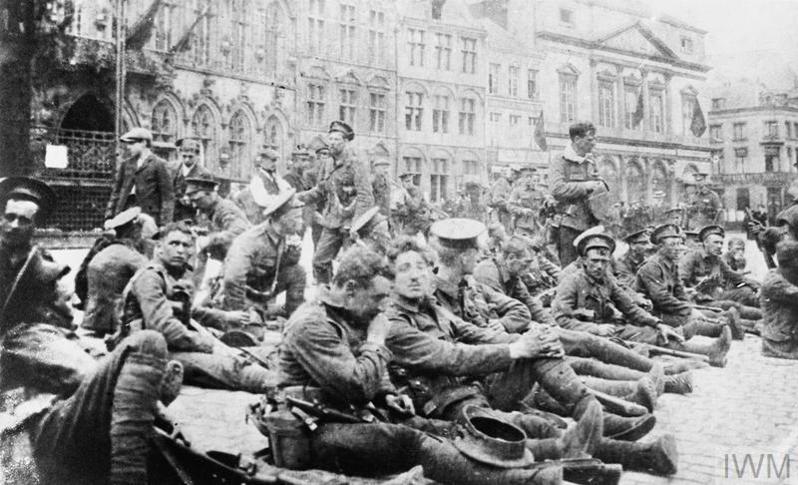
x,y
779,301
569,175
659,280
154,190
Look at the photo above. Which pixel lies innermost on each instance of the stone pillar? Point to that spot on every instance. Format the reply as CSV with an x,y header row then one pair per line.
x,y
622,176
668,114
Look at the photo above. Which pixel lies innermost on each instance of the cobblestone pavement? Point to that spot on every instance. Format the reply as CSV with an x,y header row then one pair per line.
x,y
740,425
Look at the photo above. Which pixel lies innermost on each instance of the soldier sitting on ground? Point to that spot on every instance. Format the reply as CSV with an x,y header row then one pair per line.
x,y
76,420
659,280
260,265
109,271
588,354
710,281
159,297
335,353
780,305
735,255
448,364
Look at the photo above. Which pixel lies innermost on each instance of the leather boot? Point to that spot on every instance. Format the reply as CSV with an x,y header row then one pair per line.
x,y
628,429
716,351
659,457
595,368
683,365
642,391
701,326
581,441
733,318
679,383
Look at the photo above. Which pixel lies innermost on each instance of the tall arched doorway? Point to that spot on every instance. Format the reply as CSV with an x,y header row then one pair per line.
x,y
87,132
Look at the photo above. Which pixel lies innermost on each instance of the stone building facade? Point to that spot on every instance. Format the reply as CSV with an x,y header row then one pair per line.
x,y
605,61
754,137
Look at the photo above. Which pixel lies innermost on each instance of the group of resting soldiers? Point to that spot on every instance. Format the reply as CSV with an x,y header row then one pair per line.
x,y
403,348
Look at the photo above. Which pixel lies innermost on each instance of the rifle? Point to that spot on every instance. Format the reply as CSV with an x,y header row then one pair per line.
x,y
619,406
242,352
323,413
657,350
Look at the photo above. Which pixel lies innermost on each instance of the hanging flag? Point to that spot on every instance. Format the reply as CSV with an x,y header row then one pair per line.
x,y
698,125
184,42
637,116
140,33
540,133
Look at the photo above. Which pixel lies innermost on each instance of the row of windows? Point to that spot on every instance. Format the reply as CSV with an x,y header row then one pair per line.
x,y
773,159
513,80
512,119
414,113
771,130
346,22
417,45
438,175
347,97
240,141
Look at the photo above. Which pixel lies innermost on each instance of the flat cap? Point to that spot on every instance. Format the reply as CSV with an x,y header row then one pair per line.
x,y
457,233
27,188
343,128
268,153
125,217
527,169
188,145
381,161
405,175
707,231
365,219
595,237
665,231
788,216
136,134
641,236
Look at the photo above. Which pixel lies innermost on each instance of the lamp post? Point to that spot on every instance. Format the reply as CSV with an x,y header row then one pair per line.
x,y
119,97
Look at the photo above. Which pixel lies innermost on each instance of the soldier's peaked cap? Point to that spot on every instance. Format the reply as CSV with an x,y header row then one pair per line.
x,y
26,188
637,236
124,217
665,231
343,128
405,175
595,237
457,233
201,183
707,231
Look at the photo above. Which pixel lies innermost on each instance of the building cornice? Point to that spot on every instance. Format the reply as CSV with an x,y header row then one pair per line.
x,y
595,46
442,27
753,110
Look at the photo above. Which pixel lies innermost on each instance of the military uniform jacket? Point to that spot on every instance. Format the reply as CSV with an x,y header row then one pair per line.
x,y
525,204
108,273
154,191
577,291
481,305
322,348
437,356
697,265
626,269
185,211
499,194
469,210
568,177
257,258
345,189
659,280
704,209
148,303
490,273
227,220
779,300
